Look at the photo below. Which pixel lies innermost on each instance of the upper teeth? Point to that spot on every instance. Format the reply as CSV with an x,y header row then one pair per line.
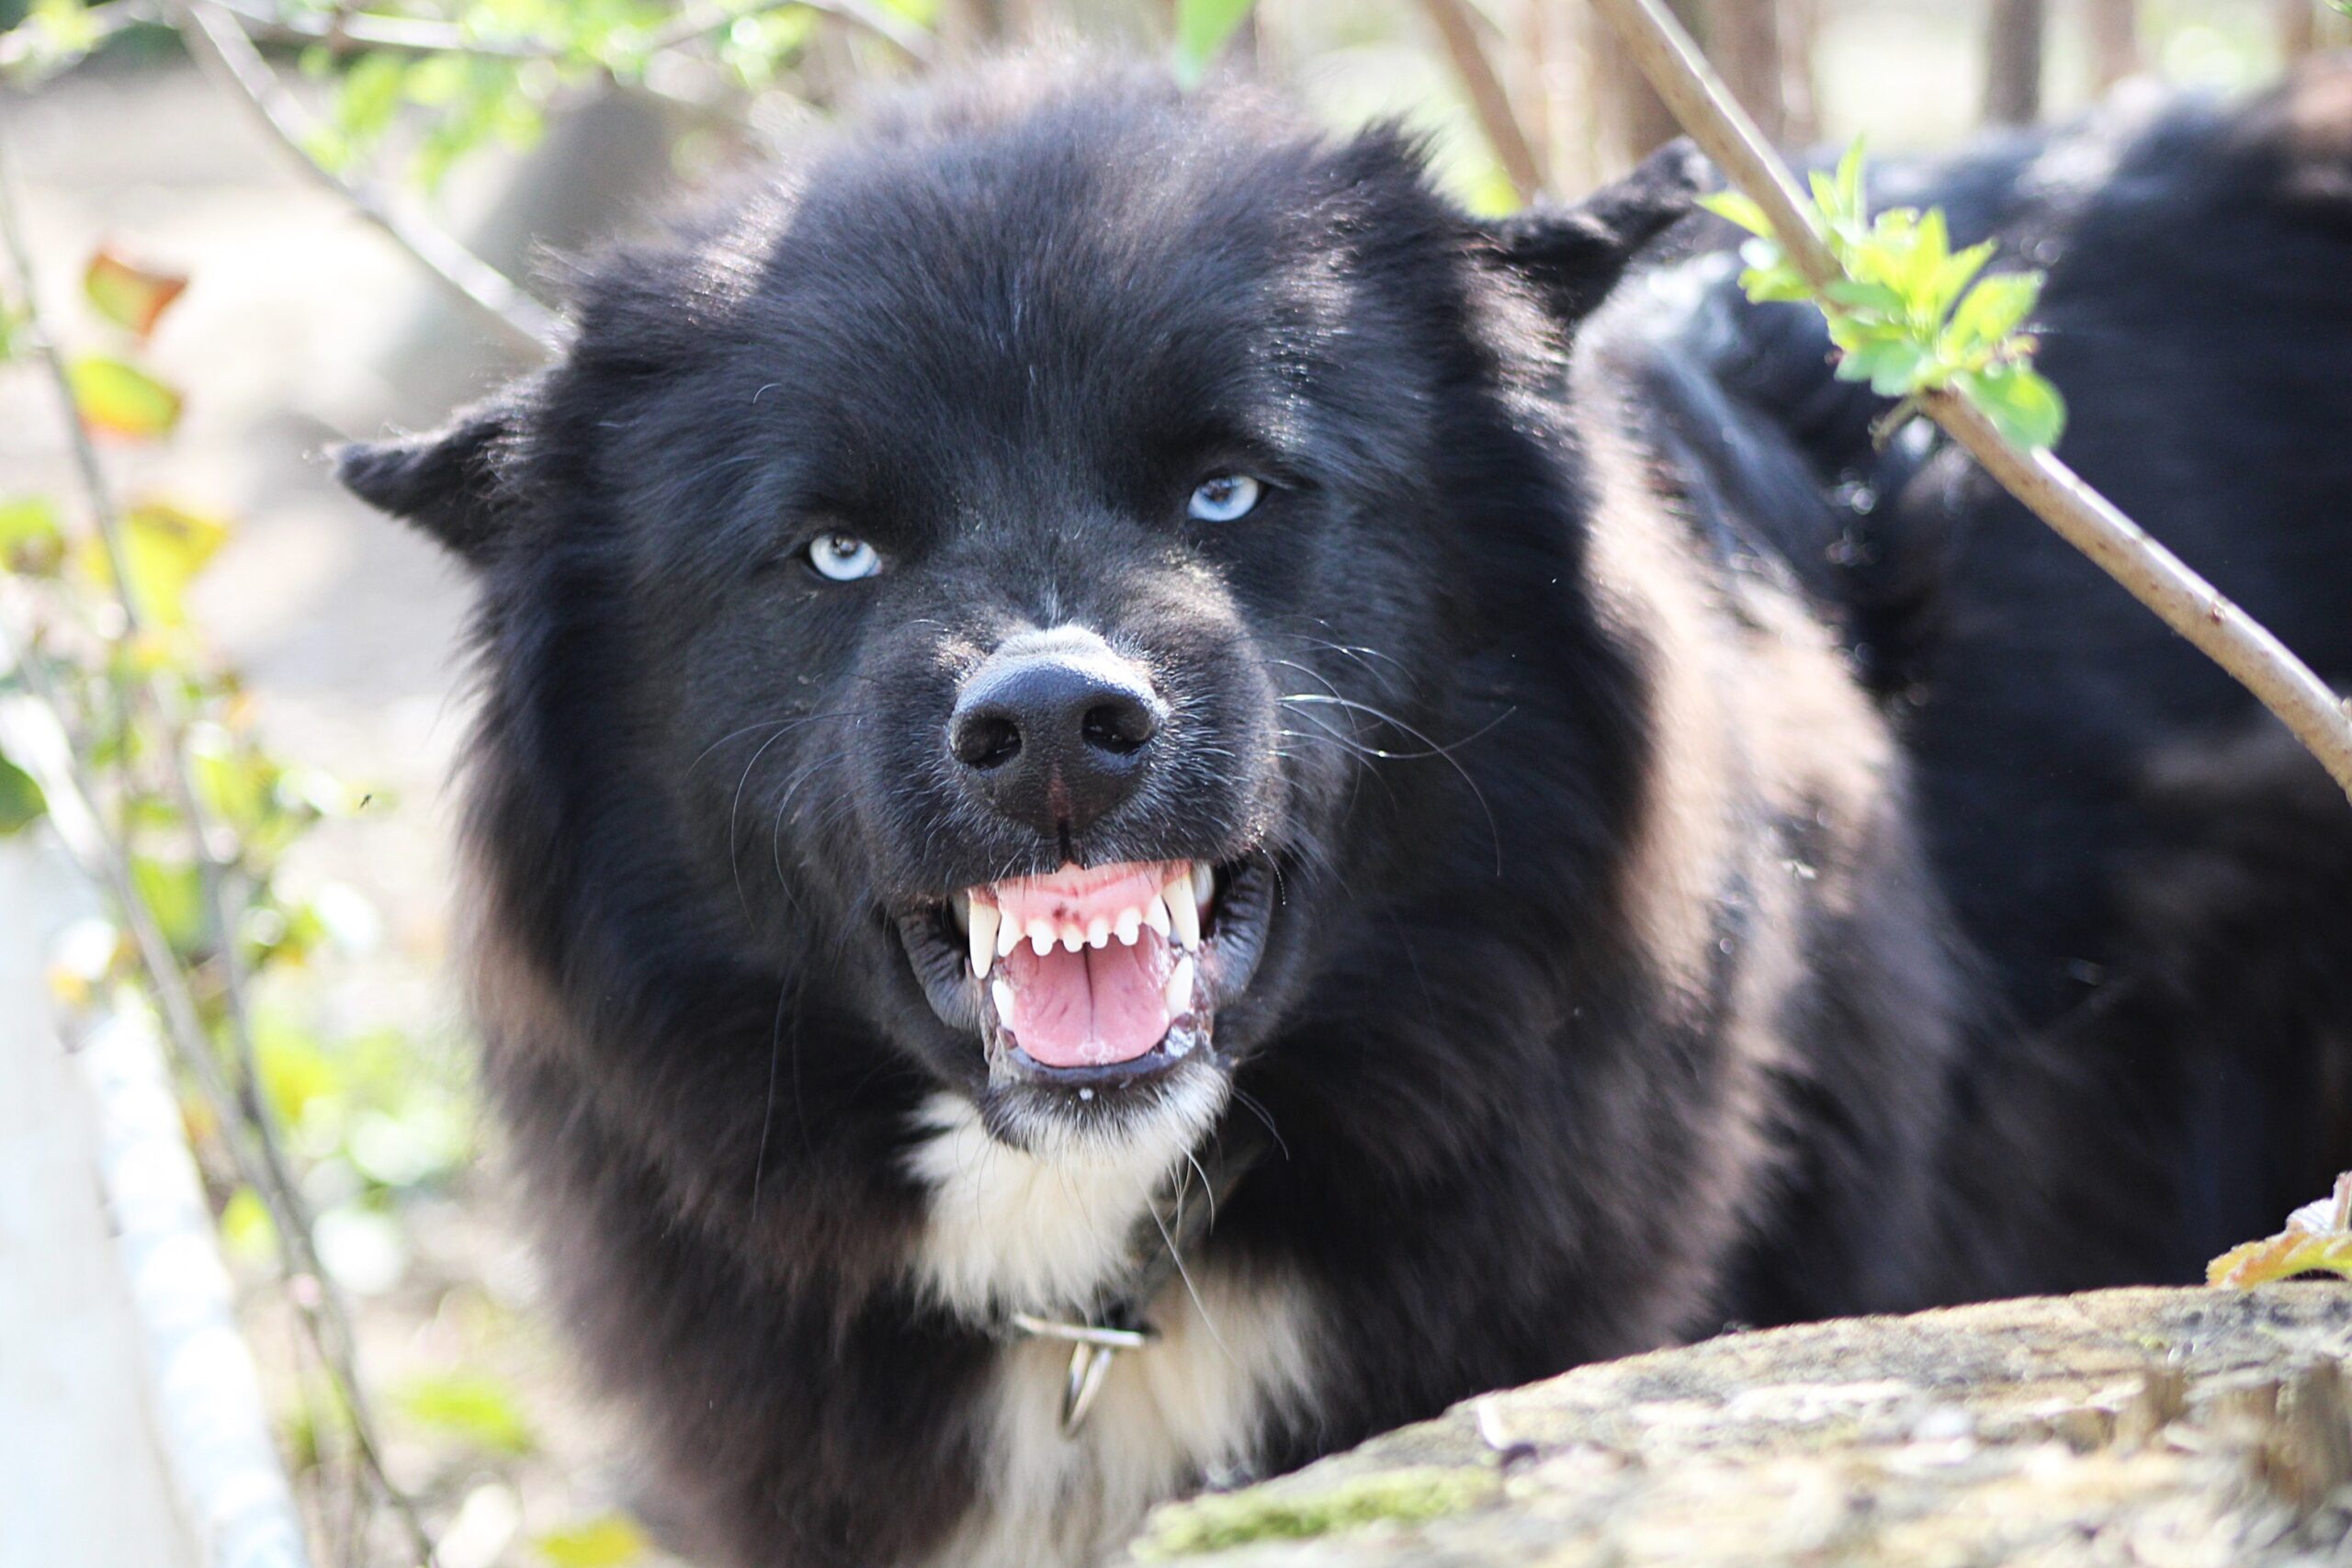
x,y
1174,911
982,920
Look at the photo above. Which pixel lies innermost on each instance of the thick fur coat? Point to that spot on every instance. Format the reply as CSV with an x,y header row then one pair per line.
x,y
1674,862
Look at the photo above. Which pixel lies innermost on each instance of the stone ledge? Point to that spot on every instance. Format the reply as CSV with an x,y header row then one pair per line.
x,y
2181,1428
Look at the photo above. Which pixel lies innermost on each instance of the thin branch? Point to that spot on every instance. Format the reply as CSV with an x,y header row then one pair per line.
x,y
2150,573
416,35
221,46
1458,29
244,1109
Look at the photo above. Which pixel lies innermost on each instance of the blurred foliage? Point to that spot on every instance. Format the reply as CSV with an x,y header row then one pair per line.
x,y
160,751
1911,315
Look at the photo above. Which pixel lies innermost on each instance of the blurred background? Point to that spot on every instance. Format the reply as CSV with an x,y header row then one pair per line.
x,y
240,231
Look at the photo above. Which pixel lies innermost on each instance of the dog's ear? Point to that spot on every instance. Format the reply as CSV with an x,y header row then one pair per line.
x,y
447,482
1575,254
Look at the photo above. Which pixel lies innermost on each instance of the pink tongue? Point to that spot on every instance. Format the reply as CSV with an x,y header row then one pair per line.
x,y
1095,1006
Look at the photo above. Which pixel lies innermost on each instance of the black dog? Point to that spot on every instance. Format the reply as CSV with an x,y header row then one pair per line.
x,y
1142,804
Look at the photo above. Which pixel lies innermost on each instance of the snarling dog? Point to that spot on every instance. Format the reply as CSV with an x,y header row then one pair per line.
x,y
1145,802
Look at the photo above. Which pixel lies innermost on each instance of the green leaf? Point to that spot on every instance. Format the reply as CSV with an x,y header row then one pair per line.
x,y
1900,369
174,894
130,295
167,547
1202,27
1874,298
370,96
470,1407
32,541
21,801
1738,207
2023,404
607,1541
1774,286
1849,189
1994,308
120,398
1953,276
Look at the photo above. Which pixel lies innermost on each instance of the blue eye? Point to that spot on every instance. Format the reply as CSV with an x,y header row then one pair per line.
x,y
844,558
1221,498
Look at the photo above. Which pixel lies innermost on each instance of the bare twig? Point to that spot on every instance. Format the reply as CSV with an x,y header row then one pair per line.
x,y
417,35
1457,27
2150,573
242,1110
221,46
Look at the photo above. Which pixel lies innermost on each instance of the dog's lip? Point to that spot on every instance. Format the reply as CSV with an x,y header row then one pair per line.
x,y
1231,942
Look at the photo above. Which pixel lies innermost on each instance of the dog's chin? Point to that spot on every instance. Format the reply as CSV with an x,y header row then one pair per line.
x,y
1089,996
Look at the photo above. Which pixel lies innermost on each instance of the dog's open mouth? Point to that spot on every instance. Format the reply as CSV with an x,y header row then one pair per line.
x,y
1092,975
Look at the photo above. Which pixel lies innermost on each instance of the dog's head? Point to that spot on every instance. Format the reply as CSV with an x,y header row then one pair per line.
x,y
986,562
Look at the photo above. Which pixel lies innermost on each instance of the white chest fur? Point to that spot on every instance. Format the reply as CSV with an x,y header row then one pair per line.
x,y
1013,1231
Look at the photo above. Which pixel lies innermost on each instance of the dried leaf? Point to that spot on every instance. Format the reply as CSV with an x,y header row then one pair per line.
x,y
2318,1239
609,1541
130,295
122,399
167,545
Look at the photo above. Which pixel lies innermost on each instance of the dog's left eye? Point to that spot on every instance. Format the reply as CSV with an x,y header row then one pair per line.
x,y
844,558
1221,498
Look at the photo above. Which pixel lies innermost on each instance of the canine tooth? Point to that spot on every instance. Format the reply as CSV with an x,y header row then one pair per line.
x,y
1001,995
1155,913
1184,915
1073,937
1042,936
1204,884
1129,926
983,935
962,904
1098,931
1180,986
1008,937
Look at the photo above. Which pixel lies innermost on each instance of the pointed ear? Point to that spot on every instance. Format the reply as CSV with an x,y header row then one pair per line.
x,y
448,482
1575,254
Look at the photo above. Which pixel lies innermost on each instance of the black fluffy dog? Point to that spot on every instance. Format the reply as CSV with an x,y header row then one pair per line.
x,y
1092,679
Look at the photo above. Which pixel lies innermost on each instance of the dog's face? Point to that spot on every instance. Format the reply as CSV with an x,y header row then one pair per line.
x,y
989,526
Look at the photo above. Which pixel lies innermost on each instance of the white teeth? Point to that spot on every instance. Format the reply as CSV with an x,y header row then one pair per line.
x,y
1098,931
982,934
1001,995
1042,936
1129,926
1008,937
1154,915
1073,937
1204,884
1180,987
1184,915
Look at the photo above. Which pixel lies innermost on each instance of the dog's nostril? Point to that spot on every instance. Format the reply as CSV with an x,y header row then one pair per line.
x,y
985,740
1121,726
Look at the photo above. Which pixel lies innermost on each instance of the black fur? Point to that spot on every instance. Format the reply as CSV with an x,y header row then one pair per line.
x,y
1766,876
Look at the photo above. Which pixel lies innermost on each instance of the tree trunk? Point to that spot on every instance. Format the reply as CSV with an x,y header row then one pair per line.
x,y
2013,62
2298,27
2114,29
1744,41
1800,86
2204,1427
1632,121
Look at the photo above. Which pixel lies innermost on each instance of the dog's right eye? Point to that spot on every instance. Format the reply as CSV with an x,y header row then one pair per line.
x,y
843,558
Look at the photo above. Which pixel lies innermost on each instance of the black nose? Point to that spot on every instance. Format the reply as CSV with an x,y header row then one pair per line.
x,y
1053,730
